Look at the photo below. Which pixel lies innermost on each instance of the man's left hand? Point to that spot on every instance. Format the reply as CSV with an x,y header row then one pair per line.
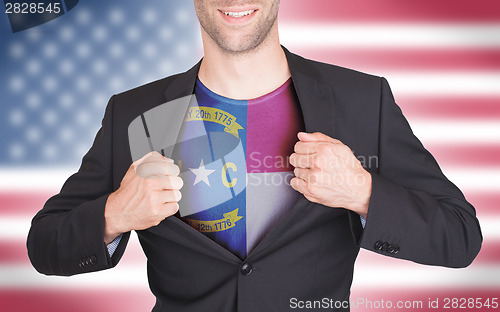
x,y
328,173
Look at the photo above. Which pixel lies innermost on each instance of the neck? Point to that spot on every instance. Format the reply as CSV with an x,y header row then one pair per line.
x,y
245,75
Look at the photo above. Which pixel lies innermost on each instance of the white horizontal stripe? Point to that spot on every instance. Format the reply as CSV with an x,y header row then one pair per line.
x,y
472,180
382,276
40,179
16,228
117,278
332,35
456,131
470,83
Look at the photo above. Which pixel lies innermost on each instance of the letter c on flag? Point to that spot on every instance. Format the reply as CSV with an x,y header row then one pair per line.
x,y
224,177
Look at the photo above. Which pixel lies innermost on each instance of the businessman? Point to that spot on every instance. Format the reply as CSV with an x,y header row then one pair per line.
x,y
187,161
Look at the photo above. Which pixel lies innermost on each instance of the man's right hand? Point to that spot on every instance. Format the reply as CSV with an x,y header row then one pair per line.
x,y
148,193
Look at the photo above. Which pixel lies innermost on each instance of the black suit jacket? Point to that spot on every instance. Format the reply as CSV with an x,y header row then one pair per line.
x,y
415,213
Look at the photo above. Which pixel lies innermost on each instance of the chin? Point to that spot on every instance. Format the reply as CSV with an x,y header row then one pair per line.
x,y
240,45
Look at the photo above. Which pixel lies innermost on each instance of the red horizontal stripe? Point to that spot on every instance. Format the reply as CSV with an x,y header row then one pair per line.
x,y
390,11
380,61
22,202
15,252
104,300
489,254
367,299
450,107
78,300
463,156
486,204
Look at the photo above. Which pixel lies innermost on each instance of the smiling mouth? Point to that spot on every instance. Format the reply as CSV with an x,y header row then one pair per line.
x,y
239,14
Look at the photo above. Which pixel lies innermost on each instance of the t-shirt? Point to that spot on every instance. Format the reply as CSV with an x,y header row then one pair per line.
x,y
234,161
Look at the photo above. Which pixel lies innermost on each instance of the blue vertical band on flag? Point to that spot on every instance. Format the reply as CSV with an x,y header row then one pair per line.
x,y
212,155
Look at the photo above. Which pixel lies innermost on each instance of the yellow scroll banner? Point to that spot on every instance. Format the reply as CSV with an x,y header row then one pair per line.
x,y
229,221
214,115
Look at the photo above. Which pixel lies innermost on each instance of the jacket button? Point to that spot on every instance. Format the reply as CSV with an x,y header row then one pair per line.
x,y
246,269
378,245
93,260
390,249
395,249
385,245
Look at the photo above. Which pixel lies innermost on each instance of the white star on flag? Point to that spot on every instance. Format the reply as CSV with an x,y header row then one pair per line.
x,y
201,174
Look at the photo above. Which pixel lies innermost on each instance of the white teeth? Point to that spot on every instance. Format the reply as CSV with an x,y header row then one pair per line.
x,y
239,14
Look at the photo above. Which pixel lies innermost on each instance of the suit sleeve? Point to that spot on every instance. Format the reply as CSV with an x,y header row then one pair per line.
x,y
415,212
67,235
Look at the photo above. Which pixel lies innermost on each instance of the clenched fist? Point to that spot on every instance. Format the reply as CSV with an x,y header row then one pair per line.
x,y
327,172
148,193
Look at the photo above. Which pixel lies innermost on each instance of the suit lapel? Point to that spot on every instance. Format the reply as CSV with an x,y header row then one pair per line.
x,y
315,98
183,84
178,95
158,127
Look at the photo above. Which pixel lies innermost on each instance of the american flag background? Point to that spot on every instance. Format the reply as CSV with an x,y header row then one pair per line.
x,y
441,57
